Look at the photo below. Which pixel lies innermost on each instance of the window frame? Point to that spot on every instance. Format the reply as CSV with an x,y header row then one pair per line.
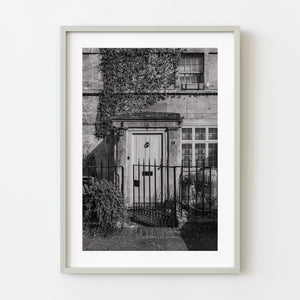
x,y
193,141
197,85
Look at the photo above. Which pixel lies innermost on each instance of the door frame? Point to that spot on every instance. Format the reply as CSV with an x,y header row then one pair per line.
x,y
130,152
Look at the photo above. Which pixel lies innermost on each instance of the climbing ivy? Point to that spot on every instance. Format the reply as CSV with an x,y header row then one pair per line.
x,y
133,79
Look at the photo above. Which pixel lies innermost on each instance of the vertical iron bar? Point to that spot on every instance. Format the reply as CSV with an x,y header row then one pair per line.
x,y
96,173
196,186
210,191
122,184
168,183
203,187
139,178
174,208
155,183
108,175
181,188
133,190
161,185
149,170
144,182
189,184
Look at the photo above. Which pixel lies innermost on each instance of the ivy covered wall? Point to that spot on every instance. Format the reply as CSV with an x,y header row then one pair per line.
x,y
125,80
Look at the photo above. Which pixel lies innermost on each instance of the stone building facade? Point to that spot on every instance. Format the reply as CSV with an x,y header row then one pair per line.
x,y
180,130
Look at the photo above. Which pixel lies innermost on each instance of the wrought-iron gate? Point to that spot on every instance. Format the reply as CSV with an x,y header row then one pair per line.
x,y
162,192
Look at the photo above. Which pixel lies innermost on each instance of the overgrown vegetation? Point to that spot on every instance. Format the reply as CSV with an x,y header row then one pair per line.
x,y
133,79
103,208
204,188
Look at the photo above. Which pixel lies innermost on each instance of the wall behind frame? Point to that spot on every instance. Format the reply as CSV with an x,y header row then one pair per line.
x,y
30,72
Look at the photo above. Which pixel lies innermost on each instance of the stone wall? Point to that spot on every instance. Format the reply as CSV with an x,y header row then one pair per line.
x,y
194,106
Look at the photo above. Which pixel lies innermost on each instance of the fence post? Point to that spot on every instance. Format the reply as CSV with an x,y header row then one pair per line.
x,y
122,175
189,183
149,170
181,188
144,182
161,184
108,175
174,209
88,168
196,186
133,191
203,187
168,183
155,183
210,191
139,178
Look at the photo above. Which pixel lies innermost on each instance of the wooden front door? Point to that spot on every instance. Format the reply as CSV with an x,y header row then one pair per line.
x,y
147,174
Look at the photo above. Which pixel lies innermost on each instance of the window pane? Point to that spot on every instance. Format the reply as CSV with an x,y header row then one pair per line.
x,y
193,78
200,134
213,155
212,133
200,153
186,154
186,133
191,69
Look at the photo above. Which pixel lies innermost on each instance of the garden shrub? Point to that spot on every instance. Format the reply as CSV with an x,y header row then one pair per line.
x,y
103,208
193,184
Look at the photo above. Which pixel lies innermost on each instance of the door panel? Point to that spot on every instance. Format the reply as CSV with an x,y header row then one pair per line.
x,y
147,151
147,147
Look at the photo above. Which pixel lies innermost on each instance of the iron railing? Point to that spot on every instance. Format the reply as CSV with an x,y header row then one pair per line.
x,y
160,192
108,171
167,190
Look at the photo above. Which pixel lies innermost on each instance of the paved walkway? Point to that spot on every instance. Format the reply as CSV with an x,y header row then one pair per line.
x,y
198,236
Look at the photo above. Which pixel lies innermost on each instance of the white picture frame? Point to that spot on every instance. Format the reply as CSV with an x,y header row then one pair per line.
x,y
66,266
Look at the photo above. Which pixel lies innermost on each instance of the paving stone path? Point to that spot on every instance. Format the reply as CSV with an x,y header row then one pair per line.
x,y
143,238
138,238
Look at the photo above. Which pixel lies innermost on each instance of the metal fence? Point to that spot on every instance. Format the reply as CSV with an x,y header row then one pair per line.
x,y
105,170
168,190
160,192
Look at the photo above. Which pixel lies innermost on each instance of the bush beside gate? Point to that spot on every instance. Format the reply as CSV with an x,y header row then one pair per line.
x,y
103,208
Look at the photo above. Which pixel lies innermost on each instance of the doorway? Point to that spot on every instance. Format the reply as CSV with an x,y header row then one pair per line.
x,y
147,173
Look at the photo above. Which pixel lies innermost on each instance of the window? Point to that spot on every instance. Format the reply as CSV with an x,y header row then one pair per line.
x,y
213,154
186,154
200,153
186,133
199,145
212,133
191,71
200,133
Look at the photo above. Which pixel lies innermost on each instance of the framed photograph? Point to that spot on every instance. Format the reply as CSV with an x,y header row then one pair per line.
x,y
150,149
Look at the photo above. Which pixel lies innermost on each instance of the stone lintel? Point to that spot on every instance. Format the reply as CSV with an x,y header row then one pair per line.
x,y
148,117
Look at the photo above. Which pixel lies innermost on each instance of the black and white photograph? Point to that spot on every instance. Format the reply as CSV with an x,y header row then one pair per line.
x,y
150,149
